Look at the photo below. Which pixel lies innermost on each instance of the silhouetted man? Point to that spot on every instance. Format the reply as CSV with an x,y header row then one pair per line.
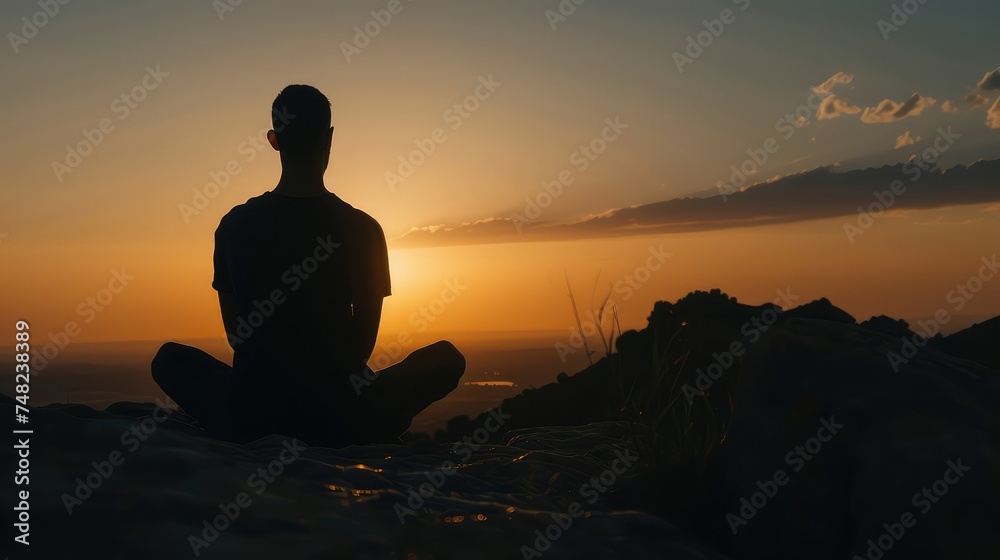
x,y
301,276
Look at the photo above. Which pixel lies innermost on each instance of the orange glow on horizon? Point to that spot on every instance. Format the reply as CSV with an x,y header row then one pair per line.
x,y
900,269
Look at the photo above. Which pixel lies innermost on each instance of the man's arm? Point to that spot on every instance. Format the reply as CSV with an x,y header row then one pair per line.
x,y
222,282
230,307
367,316
369,287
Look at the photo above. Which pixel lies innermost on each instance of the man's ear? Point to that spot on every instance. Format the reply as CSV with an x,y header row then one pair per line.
x,y
272,138
330,140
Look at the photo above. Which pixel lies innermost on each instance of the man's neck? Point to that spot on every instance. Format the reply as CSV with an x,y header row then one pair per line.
x,y
300,184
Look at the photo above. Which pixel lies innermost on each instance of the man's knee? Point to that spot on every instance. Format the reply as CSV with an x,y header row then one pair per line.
x,y
451,358
164,360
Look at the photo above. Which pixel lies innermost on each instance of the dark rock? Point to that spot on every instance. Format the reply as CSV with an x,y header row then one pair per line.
x,y
896,328
820,309
980,343
901,433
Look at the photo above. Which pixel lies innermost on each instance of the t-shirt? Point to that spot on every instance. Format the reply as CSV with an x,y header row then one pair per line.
x,y
296,265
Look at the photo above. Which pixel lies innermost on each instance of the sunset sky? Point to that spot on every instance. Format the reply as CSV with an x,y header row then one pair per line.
x,y
141,196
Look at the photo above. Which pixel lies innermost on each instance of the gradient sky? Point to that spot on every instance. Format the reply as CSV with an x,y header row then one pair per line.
x,y
64,234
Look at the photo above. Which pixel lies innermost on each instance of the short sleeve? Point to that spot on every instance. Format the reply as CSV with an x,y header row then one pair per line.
x,y
379,269
222,281
371,277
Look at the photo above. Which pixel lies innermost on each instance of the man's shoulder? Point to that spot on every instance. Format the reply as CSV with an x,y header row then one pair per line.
x,y
367,221
241,211
355,219
361,220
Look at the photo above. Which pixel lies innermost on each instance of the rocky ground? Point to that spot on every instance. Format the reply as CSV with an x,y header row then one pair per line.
x,y
120,484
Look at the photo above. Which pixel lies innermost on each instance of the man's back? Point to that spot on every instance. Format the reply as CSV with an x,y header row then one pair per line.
x,y
296,265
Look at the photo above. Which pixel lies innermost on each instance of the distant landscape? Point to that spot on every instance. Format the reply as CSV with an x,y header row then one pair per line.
x,y
101,373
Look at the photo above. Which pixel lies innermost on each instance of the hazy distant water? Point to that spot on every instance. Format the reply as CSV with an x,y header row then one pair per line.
x,y
98,374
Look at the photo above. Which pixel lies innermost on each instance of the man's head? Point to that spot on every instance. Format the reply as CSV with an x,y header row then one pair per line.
x,y
302,133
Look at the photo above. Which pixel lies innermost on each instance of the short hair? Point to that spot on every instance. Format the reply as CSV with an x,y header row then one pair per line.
x,y
300,116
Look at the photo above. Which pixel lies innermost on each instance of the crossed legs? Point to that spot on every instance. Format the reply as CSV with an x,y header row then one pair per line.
x,y
401,391
212,392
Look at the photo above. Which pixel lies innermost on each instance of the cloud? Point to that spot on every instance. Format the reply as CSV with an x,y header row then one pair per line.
x,y
889,111
832,81
833,107
972,100
993,115
906,140
818,194
991,81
